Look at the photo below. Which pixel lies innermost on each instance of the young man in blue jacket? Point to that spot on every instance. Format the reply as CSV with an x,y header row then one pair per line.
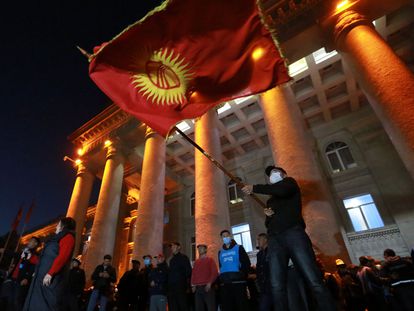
x,y
234,264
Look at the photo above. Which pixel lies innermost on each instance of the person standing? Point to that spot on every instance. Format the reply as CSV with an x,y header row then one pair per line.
x,y
76,284
178,279
234,265
288,239
48,284
131,288
202,278
371,285
21,275
399,274
263,273
158,282
103,279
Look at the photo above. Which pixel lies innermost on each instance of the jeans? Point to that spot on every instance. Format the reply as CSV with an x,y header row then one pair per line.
x,y
158,303
95,296
295,244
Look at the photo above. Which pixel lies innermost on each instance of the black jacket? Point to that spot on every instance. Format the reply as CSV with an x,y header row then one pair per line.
x,y
285,201
396,270
180,271
76,281
263,272
103,284
159,276
229,277
132,285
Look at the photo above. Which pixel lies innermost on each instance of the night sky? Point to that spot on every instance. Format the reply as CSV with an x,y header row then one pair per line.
x,y
46,94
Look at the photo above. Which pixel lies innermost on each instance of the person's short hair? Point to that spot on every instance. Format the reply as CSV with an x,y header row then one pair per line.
x,y
36,239
202,245
135,261
175,243
68,223
147,256
272,167
224,231
107,256
77,260
262,235
364,260
389,252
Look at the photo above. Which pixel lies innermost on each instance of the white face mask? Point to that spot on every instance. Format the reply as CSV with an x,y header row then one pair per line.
x,y
275,177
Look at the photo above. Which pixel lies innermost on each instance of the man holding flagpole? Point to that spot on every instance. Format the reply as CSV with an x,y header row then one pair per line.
x,y
288,239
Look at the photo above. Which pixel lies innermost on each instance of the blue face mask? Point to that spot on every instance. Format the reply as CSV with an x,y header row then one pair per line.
x,y
147,261
227,240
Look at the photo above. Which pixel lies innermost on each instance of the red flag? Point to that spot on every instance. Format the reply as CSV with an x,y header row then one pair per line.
x,y
29,213
185,57
17,219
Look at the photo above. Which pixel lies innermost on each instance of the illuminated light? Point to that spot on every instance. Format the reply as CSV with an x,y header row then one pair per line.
x,y
342,4
257,53
107,143
78,161
297,67
80,152
225,107
238,101
183,126
194,94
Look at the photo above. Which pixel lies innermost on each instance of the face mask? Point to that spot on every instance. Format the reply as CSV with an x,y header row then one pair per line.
x,y
147,261
226,240
275,177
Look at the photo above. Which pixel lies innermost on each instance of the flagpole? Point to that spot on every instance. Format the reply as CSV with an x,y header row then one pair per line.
x,y
219,166
26,221
20,238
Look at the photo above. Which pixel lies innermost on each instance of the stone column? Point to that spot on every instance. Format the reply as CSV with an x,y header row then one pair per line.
x,y
105,223
386,80
292,150
79,201
149,225
211,200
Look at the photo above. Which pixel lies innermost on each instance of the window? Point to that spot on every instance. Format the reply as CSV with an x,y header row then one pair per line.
x,y
241,234
363,212
235,194
193,248
339,157
192,204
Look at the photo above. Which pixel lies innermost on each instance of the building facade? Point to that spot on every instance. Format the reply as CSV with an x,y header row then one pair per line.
x,y
344,128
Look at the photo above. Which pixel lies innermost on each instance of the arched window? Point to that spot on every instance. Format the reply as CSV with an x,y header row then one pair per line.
x,y
192,204
235,195
339,157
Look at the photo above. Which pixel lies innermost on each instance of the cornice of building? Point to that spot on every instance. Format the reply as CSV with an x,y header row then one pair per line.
x,y
98,129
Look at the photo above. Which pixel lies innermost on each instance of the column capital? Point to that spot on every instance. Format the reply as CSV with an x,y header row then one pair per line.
x,y
114,150
346,21
340,22
149,132
82,169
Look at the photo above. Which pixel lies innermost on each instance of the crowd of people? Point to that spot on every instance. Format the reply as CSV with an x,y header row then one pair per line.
x,y
287,274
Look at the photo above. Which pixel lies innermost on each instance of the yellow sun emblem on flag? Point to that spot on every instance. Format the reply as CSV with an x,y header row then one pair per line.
x,y
165,78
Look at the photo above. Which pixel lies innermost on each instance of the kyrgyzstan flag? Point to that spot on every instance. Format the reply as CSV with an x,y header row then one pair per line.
x,y
185,57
